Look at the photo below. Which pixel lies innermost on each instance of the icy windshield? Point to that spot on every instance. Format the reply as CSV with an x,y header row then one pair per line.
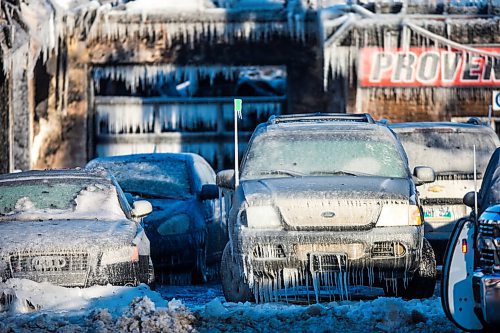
x,y
168,178
71,198
332,153
448,151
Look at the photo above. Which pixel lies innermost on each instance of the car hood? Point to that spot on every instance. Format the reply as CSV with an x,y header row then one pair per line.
x,y
491,213
341,201
61,235
314,188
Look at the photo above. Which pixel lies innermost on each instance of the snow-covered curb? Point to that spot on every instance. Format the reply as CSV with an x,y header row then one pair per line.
x,y
138,309
29,306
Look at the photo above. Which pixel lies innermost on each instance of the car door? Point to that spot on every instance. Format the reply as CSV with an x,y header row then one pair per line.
x,y
217,234
457,295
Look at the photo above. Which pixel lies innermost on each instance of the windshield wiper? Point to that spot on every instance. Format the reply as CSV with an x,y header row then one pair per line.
x,y
340,173
282,172
146,195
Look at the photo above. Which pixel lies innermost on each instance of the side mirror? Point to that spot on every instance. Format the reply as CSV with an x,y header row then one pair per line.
x,y
225,179
469,199
209,192
141,208
423,175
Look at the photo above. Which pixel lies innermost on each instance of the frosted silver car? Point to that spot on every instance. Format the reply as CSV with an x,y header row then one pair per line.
x,y
324,204
447,147
71,228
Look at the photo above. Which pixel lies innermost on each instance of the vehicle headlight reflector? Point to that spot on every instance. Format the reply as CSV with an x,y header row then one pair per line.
x,y
263,217
123,254
393,215
177,224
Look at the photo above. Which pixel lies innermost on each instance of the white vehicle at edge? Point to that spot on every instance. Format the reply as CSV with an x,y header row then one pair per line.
x,y
470,290
324,200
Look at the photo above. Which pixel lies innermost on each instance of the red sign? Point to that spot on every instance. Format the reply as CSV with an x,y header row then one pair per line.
x,y
427,67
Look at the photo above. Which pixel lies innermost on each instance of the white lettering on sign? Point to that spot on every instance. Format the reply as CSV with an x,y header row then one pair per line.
x,y
496,100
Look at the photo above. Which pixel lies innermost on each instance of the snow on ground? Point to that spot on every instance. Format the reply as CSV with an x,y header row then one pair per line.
x,y
43,307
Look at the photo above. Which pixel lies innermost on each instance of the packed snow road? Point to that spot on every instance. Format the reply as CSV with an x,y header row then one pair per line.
x,y
26,306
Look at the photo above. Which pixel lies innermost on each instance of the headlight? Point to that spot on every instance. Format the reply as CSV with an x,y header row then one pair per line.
x,y
261,217
124,254
399,215
177,224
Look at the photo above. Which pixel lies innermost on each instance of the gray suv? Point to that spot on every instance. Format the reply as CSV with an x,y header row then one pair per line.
x,y
324,202
447,147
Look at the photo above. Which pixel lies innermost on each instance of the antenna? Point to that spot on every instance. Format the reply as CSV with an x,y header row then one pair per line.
x,y
475,185
238,105
490,111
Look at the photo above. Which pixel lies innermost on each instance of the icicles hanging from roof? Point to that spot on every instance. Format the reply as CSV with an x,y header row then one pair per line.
x,y
340,58
134,76
193,32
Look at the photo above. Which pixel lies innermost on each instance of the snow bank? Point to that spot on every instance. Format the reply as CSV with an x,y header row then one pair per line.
x,y
379,315
42,307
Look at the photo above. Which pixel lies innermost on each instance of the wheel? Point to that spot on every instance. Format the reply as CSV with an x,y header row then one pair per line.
x,y
423,282
199,274
151,275
234,287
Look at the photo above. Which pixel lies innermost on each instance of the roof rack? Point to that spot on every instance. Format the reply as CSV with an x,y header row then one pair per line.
x,y
322,117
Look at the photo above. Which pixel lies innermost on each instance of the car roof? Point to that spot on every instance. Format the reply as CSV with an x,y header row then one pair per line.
x,y
187,157
326,126
321,117
412,126
55,173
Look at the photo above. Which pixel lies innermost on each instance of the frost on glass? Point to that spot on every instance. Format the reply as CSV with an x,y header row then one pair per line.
x,y
166,178
63,199
448,151
322,154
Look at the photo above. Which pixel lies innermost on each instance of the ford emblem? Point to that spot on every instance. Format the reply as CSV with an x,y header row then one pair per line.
x,y
328,215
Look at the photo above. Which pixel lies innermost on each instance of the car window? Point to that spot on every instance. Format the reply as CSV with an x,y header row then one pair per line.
x,y
323,154
73,198
207,176
447,150
168,178
490,188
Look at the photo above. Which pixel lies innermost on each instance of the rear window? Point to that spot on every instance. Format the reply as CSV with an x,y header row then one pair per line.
x,y
169,178
324,154
448,151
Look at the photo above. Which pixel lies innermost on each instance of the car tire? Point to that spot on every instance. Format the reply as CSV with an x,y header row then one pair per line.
x,y
199,274
423,283
151,280
234,287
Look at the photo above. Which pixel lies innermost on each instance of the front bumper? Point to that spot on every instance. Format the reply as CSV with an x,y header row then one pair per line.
x,y
74,269
270,253
488,290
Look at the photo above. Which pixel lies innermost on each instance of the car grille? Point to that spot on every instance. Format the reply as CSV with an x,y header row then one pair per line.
x,y
65,268
487,257
324,262
490,254
486,229
462,176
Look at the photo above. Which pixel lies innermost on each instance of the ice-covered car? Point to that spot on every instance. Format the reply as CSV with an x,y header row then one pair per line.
x,y
71,228
470,290
446,147
322,205
184,229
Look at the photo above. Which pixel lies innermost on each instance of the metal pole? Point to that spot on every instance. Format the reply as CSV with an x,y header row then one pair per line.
x,y
237,112
475,185
490,111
